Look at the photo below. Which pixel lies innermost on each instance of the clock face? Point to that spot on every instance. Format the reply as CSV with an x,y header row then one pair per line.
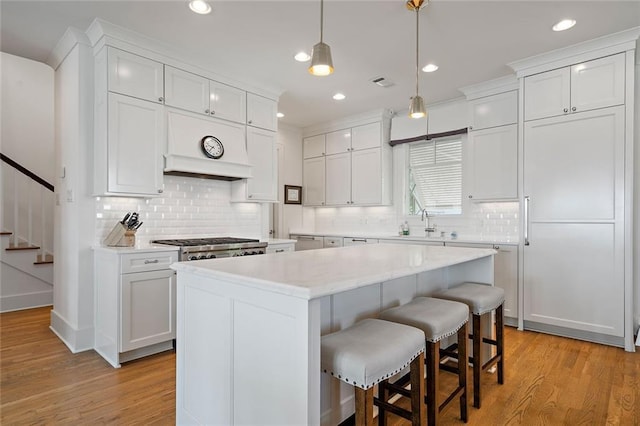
x,y
212,147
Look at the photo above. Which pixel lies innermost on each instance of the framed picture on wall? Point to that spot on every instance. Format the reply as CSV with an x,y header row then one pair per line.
x,y
292,194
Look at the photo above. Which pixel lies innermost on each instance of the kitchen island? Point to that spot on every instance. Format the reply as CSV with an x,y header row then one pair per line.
x,y
248,328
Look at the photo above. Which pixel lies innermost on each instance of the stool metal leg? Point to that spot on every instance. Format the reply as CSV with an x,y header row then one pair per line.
x,y
433,369
462,371
477,359
364,406
500,342
418,411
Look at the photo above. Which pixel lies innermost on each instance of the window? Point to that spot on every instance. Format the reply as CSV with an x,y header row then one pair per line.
x,y
435,176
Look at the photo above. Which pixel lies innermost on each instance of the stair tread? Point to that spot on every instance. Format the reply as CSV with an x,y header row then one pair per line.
x,y
43,259
23,246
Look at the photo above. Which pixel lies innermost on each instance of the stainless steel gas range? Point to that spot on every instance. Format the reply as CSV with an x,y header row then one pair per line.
x,y
215,247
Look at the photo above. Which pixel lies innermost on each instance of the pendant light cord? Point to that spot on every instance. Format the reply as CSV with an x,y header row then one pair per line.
x,y
417,42
321,18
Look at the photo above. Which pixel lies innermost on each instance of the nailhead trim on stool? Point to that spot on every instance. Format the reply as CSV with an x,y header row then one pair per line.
x,y
368,353
438,319
481,299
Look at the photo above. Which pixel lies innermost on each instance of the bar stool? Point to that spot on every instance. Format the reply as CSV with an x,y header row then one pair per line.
x,y
438,319
368,353
481,299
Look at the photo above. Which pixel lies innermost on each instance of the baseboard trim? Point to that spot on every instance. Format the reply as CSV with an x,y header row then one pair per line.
x,y
575,334
19,302
76,340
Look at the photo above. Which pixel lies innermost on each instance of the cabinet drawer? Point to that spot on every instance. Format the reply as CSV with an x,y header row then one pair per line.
x,y
332,242
141,262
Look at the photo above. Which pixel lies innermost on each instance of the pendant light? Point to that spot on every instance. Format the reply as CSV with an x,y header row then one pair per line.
x,y
416,108
321,63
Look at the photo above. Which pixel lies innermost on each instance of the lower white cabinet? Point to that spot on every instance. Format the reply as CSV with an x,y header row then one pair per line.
x,y
505,264
353,241
280,247
307,242
135,303
332,242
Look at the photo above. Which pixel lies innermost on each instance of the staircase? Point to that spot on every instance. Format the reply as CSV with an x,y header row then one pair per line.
x,y
26,251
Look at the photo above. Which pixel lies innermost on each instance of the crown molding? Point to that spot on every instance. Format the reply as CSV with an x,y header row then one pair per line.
x,y
71,37
491,87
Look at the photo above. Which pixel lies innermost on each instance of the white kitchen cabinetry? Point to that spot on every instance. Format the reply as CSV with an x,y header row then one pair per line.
x,y
505,265
338,179
280,247
329,242
129,128
199,94
313,146
589,85
133,75
307,242
262,112
313,182
262,153
135,303
493,111
353,241
493,163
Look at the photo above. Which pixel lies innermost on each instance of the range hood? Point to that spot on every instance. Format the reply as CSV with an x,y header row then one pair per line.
x,y
185,156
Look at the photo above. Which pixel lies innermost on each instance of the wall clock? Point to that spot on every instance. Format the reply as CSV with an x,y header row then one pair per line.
x,y
212,147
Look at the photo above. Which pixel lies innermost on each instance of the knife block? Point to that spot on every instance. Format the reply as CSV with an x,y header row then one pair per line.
x,y
120,236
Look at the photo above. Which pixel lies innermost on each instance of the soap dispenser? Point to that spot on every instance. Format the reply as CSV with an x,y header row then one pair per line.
x,y
405,228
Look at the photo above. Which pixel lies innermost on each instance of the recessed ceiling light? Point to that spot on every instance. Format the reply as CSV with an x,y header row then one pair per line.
x,y
200,6
565,24
279,115
302,57
430,68
339,96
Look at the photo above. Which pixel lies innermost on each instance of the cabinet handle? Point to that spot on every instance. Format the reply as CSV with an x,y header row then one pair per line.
x,y
573,109
566,110
160,191
526,220
280,251
305,237
146,262
361,240
206,111
161,99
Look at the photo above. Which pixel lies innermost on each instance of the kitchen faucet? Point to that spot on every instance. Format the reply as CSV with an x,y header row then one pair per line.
x,y
425,218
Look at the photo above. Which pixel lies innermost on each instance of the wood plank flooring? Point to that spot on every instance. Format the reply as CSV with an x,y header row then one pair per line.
x,y
549,380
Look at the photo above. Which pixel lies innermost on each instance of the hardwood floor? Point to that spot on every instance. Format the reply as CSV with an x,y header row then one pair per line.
x,y
549,380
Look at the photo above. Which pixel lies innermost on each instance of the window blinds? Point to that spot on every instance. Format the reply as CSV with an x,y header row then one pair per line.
x,y
435,169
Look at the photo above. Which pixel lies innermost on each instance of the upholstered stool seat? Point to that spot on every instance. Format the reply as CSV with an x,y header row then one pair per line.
x,y
481,299
368,353
438,319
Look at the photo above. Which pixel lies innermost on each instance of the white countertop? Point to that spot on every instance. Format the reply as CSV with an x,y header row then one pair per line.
x,y
465,239
315,273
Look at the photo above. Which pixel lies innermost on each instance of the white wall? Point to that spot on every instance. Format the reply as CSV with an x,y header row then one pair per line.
x,y
290,173
26,117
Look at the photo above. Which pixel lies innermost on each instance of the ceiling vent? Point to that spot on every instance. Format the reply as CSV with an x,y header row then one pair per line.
x,y
382,82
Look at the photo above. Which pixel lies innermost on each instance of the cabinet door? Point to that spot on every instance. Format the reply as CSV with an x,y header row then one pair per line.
x,y
261,112
367,136
332,242
598,84
338,179
186,90
547,94
261,149
148,307
135,137
338,142
135,76
506,277
493,111
313,182
227,102
493,168
313,146
366,176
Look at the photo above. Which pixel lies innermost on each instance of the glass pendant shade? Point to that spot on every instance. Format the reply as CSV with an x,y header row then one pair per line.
x,y
321,62
417,109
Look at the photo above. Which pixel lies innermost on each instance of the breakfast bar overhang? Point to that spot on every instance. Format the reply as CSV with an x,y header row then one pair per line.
x,y
249,328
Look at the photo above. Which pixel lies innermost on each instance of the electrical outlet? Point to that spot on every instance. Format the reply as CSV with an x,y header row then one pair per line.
x,y
69,195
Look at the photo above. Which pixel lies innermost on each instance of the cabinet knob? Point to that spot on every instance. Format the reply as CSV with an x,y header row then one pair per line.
x,y
160,191
322,203
566,110
470,196
212,112
161,99
573,109
496,247
323,153
470,127
250,196
206,111
250,121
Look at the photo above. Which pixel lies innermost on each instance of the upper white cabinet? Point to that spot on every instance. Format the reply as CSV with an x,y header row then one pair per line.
x,y
589,85
198,94
493,111
262,112
367,136
493,163
338,142
129,125
134,75
313,146
313,181
263,186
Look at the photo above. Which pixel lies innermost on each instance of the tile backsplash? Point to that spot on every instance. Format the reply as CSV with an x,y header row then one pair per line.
x,y
188,207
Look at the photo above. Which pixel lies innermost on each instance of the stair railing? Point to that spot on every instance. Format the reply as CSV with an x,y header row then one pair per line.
x,y
26,197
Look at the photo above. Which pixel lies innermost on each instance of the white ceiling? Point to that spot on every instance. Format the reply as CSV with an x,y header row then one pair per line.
x,y
254,42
